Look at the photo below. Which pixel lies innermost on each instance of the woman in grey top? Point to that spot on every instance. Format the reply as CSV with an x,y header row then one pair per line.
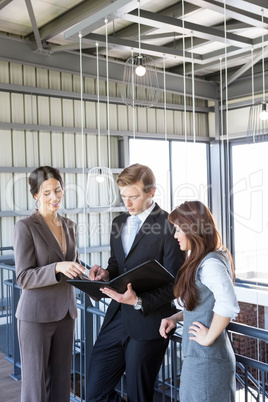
x,y
205,290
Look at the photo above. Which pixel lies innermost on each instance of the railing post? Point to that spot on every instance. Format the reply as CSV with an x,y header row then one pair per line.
x,y
16,351
88,338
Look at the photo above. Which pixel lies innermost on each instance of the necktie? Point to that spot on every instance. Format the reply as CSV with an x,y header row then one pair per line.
x,y
134,227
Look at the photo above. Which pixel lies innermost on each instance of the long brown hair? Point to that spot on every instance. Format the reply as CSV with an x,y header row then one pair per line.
x,y
198,224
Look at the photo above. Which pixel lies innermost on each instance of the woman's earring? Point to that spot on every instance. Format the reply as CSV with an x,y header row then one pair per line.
x,y
37,203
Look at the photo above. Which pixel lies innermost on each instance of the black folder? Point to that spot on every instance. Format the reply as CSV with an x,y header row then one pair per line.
x,y
145,277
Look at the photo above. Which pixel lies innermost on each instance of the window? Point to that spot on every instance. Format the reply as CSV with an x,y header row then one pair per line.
x,y
180,169
155,154
250,212
189,172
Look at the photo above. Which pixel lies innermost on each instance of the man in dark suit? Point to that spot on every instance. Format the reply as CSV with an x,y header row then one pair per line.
x,y
129,340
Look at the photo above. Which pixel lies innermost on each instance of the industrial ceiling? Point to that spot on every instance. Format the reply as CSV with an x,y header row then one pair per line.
x,y
197,38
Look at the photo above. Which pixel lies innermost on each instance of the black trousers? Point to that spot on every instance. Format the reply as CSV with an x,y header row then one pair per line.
x,y
115,353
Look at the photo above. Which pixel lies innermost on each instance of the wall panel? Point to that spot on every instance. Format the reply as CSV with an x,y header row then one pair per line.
x,y
5,109
32,148
57,151
16,74
17,108
42,78
29,77
45,148
54,80
4,72
56,112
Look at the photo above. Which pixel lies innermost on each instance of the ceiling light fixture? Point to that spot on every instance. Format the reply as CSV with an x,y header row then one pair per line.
x,y
140,82
263,114
140,69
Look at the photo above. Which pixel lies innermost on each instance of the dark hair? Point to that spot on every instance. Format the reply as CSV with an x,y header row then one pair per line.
x,y
137,173
198,224
42,173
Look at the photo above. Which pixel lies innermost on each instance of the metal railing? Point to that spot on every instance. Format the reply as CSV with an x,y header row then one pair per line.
x,y
10,296
252,373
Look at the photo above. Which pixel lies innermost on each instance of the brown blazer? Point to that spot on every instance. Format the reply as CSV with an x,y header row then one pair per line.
x,y
46,297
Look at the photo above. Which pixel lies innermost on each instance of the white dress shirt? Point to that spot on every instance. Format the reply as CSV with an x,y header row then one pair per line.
x,y
126,229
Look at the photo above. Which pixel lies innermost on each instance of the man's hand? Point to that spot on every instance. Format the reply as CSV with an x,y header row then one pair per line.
x,y
167,324
129,297
97,273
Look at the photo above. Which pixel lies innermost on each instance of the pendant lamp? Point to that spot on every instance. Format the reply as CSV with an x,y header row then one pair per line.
x,y
140,82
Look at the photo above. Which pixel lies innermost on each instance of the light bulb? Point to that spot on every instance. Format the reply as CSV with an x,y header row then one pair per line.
x,y
100,178
263,114
140,71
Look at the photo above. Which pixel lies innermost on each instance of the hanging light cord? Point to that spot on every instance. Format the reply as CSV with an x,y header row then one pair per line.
x,y
108,112
221,95
133,97
184,72
165,96
252,112
98,103
263,75
108,94
83,137
227,125
193,85
139,27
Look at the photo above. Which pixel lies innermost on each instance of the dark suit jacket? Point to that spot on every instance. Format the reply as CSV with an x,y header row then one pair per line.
x,y
155,240
45,297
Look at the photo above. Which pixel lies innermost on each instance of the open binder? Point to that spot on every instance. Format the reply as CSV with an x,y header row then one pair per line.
x,y
145,277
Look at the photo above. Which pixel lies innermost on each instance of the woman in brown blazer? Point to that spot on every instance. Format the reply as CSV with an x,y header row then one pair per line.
x,y
45,257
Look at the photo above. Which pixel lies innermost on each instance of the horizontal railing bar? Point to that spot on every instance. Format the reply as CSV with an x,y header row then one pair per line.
x,y
244,329
95,311
247,361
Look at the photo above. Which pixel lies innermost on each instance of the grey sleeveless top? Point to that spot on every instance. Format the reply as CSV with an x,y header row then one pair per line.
x,y
203,312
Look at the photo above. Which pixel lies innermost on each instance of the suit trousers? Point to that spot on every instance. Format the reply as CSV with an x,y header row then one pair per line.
x,y
115,353
46,357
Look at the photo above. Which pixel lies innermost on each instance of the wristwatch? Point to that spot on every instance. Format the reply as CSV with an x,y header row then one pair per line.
x,y
138,305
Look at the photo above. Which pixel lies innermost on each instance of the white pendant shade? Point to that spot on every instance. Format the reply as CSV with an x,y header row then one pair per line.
x,y
101,191
140,82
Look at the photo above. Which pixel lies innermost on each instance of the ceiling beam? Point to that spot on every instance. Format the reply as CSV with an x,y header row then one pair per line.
x,y
34,24
175,25
257,57
86,11
244,14
4,3
111,12
255,7
147,48
23,52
